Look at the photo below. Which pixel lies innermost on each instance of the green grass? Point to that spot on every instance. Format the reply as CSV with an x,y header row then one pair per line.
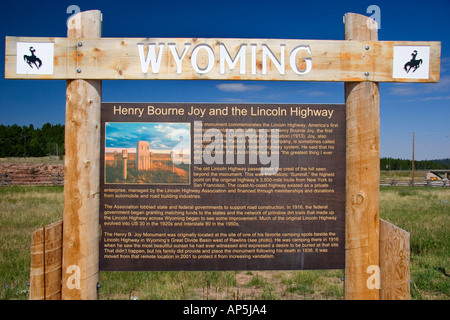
x,y
46,160
403,174
23,210
424,212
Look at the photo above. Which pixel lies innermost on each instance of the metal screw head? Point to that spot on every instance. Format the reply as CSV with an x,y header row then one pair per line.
x,y
78,70
367,47
80,44
366,74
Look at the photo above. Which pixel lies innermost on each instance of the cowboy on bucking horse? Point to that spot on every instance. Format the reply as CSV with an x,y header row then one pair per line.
x,y
413,63
32,59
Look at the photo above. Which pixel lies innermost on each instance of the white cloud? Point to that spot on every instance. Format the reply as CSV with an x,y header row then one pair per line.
x,y
239,87
313,93
403,90
436,98
411,89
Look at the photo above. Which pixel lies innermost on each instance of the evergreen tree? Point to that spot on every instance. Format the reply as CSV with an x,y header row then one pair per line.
x,y
28,141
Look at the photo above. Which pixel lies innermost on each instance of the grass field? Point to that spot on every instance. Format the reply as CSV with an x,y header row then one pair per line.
x,y
424,212
46,160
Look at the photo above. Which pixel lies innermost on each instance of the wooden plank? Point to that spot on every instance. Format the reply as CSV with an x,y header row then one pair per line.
x,y
363,173
394,262
45,268
82,175
53,260
37,279
265,59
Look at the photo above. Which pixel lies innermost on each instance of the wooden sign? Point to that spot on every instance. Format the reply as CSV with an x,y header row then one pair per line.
x,y
222,187
360,61
222,59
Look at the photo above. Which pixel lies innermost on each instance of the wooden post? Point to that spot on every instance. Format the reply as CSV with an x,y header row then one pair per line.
x,y
37,279
45,269
394,262
82,172
363,173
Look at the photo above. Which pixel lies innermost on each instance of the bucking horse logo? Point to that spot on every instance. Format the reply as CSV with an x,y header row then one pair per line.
x,y
32,60
413,63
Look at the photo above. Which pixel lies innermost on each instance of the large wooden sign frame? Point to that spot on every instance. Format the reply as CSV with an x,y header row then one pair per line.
x,y
361,61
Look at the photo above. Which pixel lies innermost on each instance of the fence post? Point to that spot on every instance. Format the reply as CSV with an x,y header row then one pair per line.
x,y
45,268
363,172
394,262
82,172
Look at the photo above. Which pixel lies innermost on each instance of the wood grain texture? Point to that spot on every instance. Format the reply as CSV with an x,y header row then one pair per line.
x,y
394,262
37,278
118,58
82,175
46,261
362,182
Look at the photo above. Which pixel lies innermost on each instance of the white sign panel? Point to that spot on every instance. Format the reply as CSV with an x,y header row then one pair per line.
x,y
411,62
35,58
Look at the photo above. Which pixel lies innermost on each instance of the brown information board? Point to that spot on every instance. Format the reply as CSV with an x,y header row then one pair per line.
x,y
222,187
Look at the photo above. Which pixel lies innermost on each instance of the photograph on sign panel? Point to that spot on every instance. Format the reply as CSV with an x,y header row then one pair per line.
x,y
147,153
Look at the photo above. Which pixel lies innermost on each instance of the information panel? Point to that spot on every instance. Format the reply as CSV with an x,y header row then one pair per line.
x,y
222,186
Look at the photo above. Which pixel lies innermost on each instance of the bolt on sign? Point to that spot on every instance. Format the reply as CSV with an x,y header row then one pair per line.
x,y
222,187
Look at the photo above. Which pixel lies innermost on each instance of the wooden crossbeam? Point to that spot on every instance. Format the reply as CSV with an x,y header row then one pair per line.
x,y
223,59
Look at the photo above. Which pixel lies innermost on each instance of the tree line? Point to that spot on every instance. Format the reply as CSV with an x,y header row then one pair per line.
x,y
406,164
28,141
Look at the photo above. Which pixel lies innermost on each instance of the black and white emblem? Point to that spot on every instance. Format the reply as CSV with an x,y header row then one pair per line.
x,y
411,62
35,58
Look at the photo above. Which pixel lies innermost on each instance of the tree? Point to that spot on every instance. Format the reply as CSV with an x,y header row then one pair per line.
x,y
28,141
405,164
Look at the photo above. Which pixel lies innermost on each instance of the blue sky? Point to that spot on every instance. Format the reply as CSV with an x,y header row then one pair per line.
x,y
404,108
161,136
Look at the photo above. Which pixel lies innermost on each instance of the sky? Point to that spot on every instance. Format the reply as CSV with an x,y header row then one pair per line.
x,y
161,136
404,108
